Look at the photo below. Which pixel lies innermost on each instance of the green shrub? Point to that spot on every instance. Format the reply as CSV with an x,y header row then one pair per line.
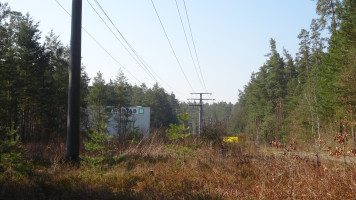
x,y
178,135
134,136
98,147
12,162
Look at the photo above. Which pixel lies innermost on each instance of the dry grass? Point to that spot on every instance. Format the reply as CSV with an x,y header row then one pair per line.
x,y
243,171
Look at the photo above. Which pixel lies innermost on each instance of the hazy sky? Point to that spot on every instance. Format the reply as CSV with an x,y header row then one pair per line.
x,y
231,38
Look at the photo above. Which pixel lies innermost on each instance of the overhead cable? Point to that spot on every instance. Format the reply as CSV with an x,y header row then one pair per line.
x,y
195,49
101,45
142,63
186,39
170,44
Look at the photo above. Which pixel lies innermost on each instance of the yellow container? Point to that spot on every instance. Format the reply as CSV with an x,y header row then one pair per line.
x,y
234,139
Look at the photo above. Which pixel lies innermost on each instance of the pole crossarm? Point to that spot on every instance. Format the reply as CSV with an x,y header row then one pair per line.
x,y
200,108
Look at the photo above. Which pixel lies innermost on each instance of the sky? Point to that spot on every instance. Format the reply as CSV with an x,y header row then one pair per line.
x,y
231,39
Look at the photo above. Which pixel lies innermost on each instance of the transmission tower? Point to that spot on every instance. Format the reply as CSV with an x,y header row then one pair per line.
x,y
200,109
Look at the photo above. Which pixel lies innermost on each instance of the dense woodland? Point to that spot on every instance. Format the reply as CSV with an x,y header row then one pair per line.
x,y
312,95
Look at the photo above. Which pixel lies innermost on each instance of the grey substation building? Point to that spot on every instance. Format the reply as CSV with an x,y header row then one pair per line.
x,y
131,117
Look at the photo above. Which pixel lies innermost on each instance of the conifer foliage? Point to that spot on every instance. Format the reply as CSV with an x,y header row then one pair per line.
x,y
304,97
178,134
34,78
12,162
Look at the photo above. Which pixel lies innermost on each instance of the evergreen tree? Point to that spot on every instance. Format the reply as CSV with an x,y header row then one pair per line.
x,y
58,64
336,82
7,70
97,100
276,91
138,94
156,98
111,94
237,123
12,159
122,92
317,43
256,101
179,134
31,62
98,147
163,106
291,78
122,89
326,9
303,57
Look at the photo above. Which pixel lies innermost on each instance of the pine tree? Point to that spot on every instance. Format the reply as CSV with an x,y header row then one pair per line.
x,y
31,62
97,101
137,96
161,109
303,57
336,88
12,162
97,146
7,71
276,91
122,92
58,64
179,134
112,99
291,78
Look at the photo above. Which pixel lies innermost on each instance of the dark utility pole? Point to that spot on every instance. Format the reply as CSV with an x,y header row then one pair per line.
x,y
200,109
73,119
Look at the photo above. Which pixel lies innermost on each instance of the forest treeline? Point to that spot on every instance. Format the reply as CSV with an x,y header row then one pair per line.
x,y
34,77
303,97
312,95
34,84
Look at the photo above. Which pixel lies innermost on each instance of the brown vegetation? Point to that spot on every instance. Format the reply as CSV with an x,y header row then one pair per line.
x,y
147,171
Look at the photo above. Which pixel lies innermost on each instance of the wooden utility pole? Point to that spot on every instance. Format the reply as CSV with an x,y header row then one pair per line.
x,y
200,109
73,117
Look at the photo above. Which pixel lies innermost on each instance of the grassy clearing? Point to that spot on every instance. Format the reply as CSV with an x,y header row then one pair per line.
x,y
147,171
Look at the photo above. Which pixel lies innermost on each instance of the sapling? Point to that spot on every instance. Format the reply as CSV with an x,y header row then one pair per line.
x,y
12,162
98,146
178,135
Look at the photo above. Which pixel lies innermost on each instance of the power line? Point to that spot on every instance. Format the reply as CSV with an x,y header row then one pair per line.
x,y
145,69
195,49
170,44
101,45
142,63
200,108
186,39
